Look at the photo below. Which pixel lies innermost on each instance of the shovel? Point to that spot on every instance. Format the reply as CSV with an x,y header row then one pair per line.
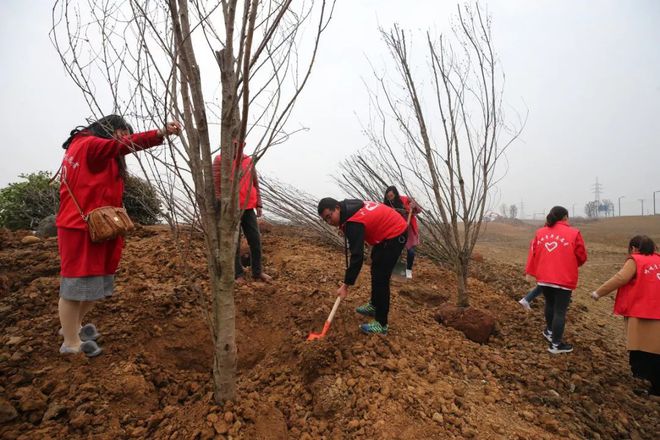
x,y
400,266
326,326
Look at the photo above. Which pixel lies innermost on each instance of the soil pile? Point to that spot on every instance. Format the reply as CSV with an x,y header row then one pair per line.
x,y
421,381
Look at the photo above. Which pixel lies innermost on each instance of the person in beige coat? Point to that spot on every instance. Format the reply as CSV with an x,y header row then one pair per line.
x,y
638,301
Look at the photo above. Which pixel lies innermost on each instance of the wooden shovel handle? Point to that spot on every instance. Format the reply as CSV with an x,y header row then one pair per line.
x,y
334,309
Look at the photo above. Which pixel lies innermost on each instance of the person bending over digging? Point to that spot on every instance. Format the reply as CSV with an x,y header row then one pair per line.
x,y
384,229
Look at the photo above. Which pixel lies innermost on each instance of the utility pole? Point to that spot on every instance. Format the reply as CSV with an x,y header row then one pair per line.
x,y
642,201
597,189
620,205
573,211
522,210
654,213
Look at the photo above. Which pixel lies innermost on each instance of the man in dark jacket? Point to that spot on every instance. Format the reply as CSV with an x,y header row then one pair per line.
x,y
381,227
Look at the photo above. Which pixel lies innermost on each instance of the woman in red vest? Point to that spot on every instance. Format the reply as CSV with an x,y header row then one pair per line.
x,y
94,167
249,197
638,301
380,227
403,205
555,254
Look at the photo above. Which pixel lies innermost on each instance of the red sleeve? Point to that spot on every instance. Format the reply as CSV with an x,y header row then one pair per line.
x,y
217,167
580,250
100,150
255,184
530,266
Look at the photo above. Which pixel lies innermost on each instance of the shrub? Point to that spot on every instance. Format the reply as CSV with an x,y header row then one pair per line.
x,y
24,204
141,201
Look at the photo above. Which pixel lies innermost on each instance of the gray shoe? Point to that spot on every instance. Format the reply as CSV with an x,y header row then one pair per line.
x,y
89,348
88,332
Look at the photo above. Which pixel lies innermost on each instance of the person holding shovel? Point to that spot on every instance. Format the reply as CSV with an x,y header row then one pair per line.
x,y
381,227
406,206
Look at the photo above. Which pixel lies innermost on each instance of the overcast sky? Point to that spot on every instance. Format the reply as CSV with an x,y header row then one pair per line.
x,y
588,72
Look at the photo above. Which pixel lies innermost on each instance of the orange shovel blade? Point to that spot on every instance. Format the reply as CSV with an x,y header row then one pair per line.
x,y
315,336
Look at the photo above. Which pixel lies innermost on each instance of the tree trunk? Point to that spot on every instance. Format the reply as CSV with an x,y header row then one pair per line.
x,y
224,316
461,266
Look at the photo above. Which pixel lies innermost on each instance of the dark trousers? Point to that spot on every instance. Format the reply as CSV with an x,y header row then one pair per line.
x,y
556,305
250,229
647,366
410,258
383,259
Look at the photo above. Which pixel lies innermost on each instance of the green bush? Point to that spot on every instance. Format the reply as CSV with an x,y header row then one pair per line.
x,y
141,201
24,204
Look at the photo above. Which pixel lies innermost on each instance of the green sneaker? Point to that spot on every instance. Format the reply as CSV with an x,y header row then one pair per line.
x,y
366,310
373,327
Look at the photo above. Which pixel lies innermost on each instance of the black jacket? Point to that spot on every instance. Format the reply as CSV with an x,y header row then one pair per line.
x,y
354,232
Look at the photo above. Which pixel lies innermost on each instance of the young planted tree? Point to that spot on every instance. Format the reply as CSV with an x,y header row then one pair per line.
x,y
229,71
439,134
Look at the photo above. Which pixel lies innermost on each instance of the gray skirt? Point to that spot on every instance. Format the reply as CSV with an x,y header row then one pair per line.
x,y
86,288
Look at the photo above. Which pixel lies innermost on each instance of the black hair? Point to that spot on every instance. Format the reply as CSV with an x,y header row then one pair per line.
x,y
104,128
556,214
643,243
397,203
327,203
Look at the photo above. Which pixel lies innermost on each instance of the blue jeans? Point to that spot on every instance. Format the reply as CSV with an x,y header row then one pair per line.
x,y
532,294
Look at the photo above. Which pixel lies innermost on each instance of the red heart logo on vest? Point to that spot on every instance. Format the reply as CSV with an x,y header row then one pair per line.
x,y
551,246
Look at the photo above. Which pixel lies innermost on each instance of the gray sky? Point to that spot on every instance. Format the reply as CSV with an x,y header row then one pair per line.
x,y
588,72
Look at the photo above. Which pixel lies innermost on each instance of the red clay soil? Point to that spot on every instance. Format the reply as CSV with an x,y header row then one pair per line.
x,y
421,381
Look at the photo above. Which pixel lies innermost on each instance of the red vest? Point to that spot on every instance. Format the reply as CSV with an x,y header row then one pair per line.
x,y
640,298
91,170
248,195
413,218
555,254
380,222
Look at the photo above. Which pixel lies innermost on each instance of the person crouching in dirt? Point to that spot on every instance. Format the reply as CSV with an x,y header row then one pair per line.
x,y
638,301
384,229
92,176
403,205
555,254
249,198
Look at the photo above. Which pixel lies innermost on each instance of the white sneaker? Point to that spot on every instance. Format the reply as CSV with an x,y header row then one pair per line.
x,y
409,274
523,302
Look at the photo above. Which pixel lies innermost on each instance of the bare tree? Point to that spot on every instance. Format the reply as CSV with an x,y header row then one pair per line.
x,y
297,208
153,60
443,142
513,211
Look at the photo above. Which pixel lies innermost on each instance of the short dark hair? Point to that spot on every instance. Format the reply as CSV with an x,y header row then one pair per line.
x,y
327,203
643,243
556,214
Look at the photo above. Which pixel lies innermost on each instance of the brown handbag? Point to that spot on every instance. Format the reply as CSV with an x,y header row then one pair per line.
x,y
104,223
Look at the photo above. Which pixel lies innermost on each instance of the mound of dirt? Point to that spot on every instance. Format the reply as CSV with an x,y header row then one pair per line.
x,y
475,324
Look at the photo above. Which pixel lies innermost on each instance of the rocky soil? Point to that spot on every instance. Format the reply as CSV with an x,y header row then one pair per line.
x,y
423,380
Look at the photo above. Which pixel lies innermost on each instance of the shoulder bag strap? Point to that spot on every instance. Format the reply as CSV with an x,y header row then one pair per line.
x,y
82,215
